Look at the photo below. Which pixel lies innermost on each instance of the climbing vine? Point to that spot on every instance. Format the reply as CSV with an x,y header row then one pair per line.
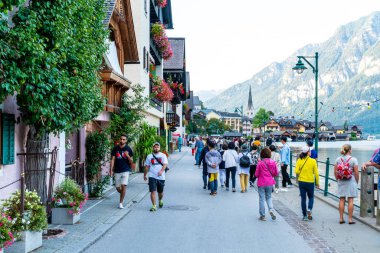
x,y
51,61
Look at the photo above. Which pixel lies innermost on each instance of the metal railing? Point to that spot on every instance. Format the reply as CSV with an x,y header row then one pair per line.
x,y
328,178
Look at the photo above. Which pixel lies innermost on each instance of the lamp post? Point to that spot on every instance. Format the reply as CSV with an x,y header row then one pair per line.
x,y
237,109
299,68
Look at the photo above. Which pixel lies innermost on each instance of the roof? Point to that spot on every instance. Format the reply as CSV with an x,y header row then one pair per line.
x,y
177,61
232,134
229,114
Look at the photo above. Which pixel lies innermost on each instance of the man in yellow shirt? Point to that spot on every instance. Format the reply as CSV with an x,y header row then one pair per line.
x,y
308,176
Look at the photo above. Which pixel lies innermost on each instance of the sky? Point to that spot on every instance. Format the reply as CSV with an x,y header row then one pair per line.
x,y
227,42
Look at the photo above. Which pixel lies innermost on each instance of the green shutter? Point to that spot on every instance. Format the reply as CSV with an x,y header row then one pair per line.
x,y
8,137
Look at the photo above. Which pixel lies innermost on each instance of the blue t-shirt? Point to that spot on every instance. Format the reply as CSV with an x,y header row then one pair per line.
x,y
199,144
313,154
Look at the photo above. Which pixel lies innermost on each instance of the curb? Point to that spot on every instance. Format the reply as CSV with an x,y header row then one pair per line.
x,y
358,218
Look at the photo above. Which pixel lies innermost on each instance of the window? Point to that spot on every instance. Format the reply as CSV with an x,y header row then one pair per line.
x,y
7,138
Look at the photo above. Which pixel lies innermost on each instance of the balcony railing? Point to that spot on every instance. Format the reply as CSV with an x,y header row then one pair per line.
x,y
173,119
155,53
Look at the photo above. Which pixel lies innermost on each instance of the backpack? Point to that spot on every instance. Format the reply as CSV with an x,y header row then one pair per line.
x,y
244,161
255,158
344,171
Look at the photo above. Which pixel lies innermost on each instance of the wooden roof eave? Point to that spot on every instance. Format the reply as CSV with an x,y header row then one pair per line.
x,y
119,80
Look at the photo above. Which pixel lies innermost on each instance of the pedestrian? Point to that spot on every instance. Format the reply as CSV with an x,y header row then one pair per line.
x,y
180,143
222,167
213,160
269,141
231,158
347,173
192,146
265,172
243,171
155,164
121,165
204,166
276,157
255,155
313,152
285,161
374,161
308,178
199,145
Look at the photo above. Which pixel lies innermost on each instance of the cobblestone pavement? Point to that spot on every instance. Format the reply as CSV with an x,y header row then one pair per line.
x,y
303,229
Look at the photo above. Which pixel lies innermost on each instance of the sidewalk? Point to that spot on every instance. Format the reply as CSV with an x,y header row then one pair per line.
x,y
325,226
98,217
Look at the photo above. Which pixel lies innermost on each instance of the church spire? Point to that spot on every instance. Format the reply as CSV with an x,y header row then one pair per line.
x,y
250,103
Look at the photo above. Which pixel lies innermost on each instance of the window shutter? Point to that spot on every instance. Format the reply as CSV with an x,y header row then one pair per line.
x,y
8,138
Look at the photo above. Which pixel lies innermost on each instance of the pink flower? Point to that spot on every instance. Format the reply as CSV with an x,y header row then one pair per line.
x,y
53,199
71,212
71,204
64,193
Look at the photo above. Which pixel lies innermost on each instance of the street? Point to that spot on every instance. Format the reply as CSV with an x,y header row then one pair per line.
x,y
193,221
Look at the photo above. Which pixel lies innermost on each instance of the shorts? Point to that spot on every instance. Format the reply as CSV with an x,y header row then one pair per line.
x,y
121,178
156,185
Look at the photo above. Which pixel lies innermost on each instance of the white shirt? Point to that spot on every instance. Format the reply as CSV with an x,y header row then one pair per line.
x,y
230,157
155,166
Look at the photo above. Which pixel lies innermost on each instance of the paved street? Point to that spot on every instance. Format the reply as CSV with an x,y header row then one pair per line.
x,y
193,221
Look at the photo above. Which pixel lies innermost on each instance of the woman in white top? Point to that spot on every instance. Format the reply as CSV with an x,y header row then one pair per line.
x,y
276,157
230,157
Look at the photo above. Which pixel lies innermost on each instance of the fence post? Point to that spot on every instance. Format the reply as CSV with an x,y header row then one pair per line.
x,y
291,164
367,205
327,176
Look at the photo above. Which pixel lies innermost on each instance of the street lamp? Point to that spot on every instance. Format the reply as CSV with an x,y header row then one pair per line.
x,y
299,68
237,109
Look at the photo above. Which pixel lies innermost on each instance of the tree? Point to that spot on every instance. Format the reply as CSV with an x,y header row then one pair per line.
x,y
131,114
52,64
216,126
261,117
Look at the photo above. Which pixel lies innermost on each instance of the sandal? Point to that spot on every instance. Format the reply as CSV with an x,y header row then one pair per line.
x,y
342,222
351,223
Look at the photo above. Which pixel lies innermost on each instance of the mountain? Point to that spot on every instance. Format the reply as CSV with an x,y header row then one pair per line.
x,y
205,95
349,79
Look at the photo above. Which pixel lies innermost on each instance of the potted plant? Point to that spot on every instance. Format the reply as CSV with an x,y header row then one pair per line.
x,y
29,226
6,235
161,40
67,202
161,89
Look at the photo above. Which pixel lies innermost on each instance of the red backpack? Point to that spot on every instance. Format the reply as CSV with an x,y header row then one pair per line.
x,y
344,171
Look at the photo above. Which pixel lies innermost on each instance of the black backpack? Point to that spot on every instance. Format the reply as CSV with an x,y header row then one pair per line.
x,y
244,161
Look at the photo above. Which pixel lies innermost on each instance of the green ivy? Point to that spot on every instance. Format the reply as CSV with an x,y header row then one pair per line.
x,y
97,148
53,61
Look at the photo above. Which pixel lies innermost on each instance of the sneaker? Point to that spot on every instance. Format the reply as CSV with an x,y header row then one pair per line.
x,y
121,206
290,186
233,190
242,191
161,204
305,218
309,215
250,184
204,187
222,186
272,215
284,189
276,191
153,209
262,218
227,189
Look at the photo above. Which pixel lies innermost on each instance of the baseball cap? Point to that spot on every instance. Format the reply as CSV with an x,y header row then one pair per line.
x,y
156,143
305,149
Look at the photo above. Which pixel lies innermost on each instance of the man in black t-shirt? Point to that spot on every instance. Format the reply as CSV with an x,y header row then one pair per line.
x,y
121,163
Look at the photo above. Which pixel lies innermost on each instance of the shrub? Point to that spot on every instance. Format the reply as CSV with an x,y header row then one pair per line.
x,y
6,236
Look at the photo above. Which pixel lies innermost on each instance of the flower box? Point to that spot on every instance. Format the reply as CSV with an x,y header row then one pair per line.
x,y
29,241
62,216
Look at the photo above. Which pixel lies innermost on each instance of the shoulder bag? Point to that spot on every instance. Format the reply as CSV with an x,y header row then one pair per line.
x,y
166,169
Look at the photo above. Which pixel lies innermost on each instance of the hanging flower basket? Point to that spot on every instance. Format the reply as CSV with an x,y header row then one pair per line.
x,y
161,3
161,90
161,40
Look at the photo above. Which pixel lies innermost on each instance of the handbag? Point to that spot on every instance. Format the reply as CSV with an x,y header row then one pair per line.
x,y
166,169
